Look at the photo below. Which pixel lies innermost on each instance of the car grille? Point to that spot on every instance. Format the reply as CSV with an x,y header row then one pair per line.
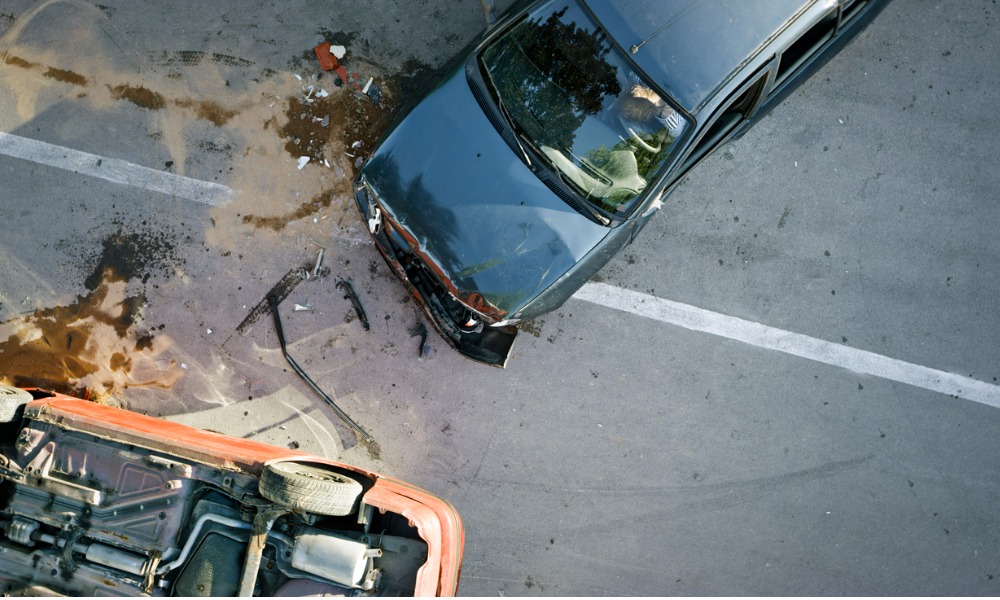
x,y
444,308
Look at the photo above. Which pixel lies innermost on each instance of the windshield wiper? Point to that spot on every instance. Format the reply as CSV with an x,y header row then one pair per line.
x,y
584,203
513,127
511,123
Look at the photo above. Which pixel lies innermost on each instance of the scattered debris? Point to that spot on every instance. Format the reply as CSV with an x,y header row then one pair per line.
x,y
328,56
351,295
280,291
319,263
272,301
420,330
375,94
308,306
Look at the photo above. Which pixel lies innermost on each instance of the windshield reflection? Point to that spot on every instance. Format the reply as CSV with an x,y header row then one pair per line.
x,y
574,99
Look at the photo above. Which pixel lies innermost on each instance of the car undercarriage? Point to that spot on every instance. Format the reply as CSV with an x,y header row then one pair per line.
x,y
84,514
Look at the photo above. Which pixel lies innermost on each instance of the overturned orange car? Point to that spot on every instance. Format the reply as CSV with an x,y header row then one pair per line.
x,y
97,501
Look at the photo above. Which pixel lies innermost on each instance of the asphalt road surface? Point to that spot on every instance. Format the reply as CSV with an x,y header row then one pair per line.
x,y
788,385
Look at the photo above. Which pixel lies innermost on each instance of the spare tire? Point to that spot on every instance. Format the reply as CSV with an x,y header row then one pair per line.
x,y
310,488
11,401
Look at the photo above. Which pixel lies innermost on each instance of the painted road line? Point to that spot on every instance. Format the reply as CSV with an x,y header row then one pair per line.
x,y
114,170
762,336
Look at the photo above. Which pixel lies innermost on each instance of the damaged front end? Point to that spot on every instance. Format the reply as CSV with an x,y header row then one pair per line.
x,y
475,328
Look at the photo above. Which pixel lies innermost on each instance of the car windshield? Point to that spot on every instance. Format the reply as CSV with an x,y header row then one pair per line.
x,y
572,96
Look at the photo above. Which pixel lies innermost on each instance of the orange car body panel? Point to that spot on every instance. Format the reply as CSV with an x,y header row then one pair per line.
x,y
436,520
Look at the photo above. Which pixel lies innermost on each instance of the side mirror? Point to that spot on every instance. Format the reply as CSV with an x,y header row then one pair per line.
x,y
654,205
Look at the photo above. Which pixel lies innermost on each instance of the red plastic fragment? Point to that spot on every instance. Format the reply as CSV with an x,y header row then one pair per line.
x,y
329,62
326,60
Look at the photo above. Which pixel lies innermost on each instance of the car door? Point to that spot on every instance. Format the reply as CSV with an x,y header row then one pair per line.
x,y
730,121
818,40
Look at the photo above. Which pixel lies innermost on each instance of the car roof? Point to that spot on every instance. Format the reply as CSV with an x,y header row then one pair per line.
x,y
690,47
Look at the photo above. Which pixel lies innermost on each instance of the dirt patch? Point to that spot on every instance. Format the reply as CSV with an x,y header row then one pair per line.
x,y
140,96
65,76
208,110
17,61
347,117
132,255
276,223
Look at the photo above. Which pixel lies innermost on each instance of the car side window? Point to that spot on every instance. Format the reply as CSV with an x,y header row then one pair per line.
x,y
806,46
809,43
728,119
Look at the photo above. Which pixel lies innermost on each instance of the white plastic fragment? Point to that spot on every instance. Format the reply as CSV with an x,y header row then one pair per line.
x,y
208,331
338,51
322,93
297,76
303,160
184,365
367,85
356,144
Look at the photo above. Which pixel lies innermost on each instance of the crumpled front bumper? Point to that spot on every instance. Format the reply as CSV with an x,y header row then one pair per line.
x,y
489,345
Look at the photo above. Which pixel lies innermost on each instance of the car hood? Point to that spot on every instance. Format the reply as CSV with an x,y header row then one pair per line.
x,y
470,206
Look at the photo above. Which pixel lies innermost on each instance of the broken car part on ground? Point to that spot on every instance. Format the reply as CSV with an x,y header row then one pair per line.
x,y
100,501
272,301
529,166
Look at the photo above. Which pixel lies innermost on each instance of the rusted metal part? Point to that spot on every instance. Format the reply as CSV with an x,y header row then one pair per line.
x,y
262,524
474,300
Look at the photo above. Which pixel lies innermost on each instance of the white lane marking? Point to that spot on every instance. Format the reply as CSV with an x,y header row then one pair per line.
x,y
115,170
860,361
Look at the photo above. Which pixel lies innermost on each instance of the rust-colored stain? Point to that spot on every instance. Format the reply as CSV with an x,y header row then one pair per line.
x,y
55,345
208,110
140,96
65,76
321,201
17,61
99,335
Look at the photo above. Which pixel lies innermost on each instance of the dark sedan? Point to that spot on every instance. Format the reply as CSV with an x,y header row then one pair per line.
x,y
530,165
